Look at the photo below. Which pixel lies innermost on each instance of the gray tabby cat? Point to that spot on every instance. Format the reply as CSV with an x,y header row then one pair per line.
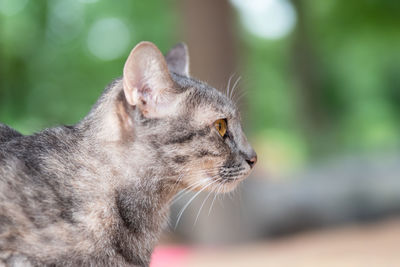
x,y
98,193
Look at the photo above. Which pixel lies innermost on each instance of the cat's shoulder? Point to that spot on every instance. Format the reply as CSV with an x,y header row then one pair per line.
x,y
7,133
28,147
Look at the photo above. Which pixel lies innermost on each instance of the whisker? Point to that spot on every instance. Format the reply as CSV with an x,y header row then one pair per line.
x,y
230,194
243,94
229,84
187,204
219,196
234,87
212,203
193,174
186,191
215,196
202,204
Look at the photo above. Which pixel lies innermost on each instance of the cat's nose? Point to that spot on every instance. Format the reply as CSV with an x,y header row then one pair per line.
x,y
252,160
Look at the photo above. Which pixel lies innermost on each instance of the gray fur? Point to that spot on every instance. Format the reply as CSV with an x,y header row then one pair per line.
x,y
98,193
178,59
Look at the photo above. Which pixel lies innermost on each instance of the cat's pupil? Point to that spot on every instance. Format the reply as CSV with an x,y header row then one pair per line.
x,y
220,125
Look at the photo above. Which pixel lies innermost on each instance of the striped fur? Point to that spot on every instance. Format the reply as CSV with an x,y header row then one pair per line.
x,y
97,193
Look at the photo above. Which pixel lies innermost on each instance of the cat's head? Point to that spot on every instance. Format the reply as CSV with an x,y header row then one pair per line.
x,y
191,130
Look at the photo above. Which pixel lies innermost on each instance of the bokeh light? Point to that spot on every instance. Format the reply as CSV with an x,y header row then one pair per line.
x,y
269,19
108,38
12,7
65,20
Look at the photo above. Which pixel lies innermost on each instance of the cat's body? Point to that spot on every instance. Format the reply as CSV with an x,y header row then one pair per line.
x,y
97,193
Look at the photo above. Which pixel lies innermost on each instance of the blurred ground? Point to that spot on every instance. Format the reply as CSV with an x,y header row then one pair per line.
x,y
368,245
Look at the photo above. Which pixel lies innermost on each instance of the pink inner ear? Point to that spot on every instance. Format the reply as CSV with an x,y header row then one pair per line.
x,y
145,77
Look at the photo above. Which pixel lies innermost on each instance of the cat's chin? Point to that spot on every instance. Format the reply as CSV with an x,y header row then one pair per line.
x,y
226,185
217,185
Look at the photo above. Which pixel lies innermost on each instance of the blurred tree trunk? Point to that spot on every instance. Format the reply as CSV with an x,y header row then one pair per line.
x,y
207,27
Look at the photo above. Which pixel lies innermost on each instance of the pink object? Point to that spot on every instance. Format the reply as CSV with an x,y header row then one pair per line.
x,y
169,256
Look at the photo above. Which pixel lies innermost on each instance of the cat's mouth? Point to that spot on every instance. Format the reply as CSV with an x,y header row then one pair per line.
x,y
232,173
229,178
221,180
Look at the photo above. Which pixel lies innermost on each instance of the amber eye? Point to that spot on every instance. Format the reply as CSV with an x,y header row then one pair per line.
x,y
221,126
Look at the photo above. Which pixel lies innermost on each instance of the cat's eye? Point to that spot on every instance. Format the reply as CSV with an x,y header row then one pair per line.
x,y
221,126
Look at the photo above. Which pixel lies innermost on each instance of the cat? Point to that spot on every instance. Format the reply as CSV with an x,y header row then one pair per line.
x,y
98,193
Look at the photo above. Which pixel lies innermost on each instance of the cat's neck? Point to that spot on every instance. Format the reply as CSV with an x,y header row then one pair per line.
x,y
141,193
142,211
102,122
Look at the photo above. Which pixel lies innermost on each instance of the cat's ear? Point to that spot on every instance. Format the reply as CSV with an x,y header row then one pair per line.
x,y
147,82
178,59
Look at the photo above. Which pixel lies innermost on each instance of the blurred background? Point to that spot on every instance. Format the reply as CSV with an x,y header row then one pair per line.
x,y
318,85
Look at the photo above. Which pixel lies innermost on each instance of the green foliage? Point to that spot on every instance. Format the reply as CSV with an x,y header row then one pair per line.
x,y
49,75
